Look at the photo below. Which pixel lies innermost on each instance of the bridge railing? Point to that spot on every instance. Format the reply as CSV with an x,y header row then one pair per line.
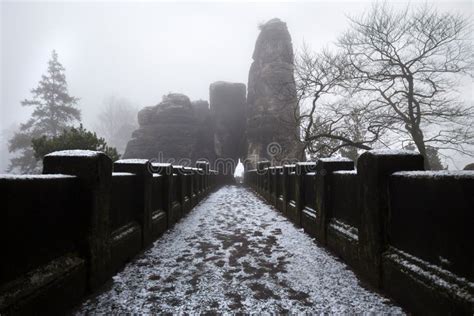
x,y
66,232
405,230
42,224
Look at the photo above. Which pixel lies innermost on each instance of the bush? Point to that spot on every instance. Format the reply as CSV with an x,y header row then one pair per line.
x,y
72,138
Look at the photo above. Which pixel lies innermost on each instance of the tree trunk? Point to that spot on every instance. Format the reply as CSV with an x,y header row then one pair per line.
x,y
418,138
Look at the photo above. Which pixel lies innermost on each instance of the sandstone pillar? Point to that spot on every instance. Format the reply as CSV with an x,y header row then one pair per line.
x,y
227,102
272,131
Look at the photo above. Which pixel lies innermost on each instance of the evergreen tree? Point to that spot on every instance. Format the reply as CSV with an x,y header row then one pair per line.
x,y
72,138
54,110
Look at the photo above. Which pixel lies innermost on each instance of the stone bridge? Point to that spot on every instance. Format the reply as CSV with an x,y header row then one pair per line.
x,y
235,253
136,236
143,237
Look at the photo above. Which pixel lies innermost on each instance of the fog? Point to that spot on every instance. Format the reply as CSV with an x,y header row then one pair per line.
x,y
141,51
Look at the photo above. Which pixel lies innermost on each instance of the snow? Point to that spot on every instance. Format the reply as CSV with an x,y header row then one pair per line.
x,y
132,161
45,273
160,164
122,174
391,152
234,253
41,276
202,161
34,176
345,172
74,153
124,231
335,159
438,276
349,231
457,174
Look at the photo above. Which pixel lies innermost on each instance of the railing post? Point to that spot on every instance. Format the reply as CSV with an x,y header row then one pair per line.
x,y
301,169
278,188
213,174
324,168
257,181
94,170
142,169
166,170
204,165
374,168
196,192
285,178
267,181
180,186
262,170
272,185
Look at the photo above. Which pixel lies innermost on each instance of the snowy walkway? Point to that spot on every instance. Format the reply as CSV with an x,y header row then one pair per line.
x,y
235,253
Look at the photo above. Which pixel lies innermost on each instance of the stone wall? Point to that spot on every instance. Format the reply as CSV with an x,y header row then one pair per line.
x,y
59,245
406,231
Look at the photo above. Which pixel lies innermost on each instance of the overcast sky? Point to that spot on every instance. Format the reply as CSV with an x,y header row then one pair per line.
x,y
142,51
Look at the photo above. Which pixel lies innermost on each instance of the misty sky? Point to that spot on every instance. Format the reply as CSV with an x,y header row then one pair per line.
x,y
142,51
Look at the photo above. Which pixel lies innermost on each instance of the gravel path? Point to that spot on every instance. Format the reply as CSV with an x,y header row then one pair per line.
x,y
234,253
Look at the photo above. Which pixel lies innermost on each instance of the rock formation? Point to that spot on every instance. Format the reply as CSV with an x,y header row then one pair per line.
x,y
228,103
261,126
167,131
272,130
180,131
205,131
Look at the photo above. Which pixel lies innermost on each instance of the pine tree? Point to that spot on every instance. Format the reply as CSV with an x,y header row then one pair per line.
x,y
54,111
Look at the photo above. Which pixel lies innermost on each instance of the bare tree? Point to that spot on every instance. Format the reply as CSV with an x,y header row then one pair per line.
x,y
392,81
331,118
116,122
409,63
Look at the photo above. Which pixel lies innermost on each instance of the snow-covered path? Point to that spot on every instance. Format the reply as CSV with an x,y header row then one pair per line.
x,y
234,253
